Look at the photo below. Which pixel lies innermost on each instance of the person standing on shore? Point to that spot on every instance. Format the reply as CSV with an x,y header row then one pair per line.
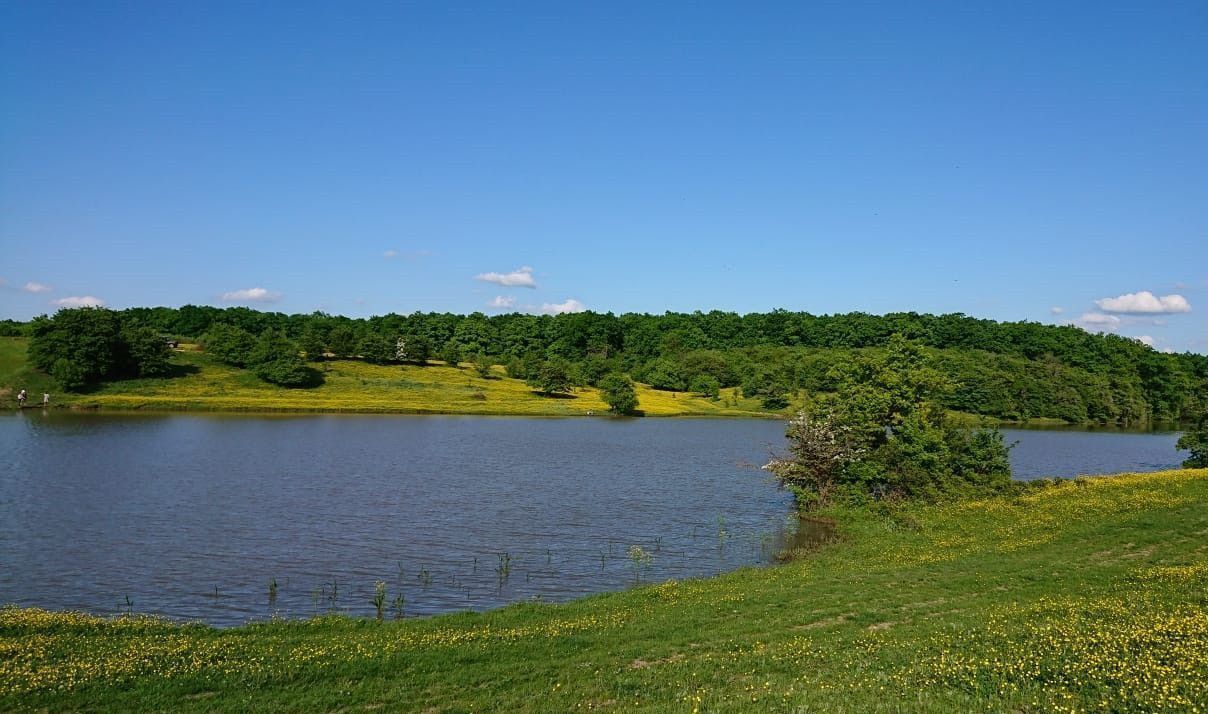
x,y
46,399
21,399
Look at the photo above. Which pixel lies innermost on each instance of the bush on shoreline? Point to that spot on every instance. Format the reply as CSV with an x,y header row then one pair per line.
x,y
884,434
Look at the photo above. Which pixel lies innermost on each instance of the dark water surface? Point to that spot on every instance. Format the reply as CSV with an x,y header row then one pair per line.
x,y
192,516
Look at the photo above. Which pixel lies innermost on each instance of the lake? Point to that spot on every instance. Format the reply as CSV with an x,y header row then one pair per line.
x,y
194,516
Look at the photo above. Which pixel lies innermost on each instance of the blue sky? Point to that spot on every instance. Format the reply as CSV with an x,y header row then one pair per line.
x,y
1005,160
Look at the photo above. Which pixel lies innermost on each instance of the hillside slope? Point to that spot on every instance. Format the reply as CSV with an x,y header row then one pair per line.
x,y
202,383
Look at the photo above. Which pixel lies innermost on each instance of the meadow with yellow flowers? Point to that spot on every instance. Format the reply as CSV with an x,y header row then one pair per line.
x,y
201,383
1084,595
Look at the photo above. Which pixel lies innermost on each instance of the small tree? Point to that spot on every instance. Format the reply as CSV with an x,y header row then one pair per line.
x,y
450,354
706,385
377,349
313,342
145,352
483,365
1195,440
342,341
68,374
664,374
413,348
552,377
229,344
275,359
819,450
618,393
771,389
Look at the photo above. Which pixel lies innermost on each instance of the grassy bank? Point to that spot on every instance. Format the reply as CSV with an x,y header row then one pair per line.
x,y
1087,596
202,383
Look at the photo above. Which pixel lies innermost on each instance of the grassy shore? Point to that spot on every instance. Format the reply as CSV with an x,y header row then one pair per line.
x,y
1085,596
202,383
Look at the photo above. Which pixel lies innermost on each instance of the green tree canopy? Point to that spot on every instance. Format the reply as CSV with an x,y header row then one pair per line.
x,y
884,433
84,346
378,349
552,377
230,344
276,359
618,393
1195,440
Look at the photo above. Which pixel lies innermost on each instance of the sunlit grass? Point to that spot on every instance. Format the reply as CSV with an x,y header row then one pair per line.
x,y
1086,596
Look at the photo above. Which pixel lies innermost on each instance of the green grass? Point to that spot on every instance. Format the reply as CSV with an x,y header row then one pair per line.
x,y
1085,596
16,374
202,383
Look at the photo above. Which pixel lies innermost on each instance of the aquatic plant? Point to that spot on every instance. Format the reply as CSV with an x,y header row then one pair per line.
x,y
640,558
379,598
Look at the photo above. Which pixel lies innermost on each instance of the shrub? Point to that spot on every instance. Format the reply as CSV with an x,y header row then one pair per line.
x,y
883,434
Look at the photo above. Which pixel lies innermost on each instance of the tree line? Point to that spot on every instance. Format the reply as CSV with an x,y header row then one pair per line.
x,y
1014,370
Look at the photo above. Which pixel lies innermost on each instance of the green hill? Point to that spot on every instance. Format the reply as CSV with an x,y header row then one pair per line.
x,y
199,382
1013,371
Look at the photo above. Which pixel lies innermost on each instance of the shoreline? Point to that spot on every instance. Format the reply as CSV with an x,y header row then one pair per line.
x,y
1085,583
143,405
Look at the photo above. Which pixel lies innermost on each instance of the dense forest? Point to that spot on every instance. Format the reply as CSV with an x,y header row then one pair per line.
x,y
1010,370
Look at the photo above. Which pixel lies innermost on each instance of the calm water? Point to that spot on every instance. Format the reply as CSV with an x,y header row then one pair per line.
x,y
192,516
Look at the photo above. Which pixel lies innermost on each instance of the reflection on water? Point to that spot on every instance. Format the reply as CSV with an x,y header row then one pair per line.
x,y
196,516
234,518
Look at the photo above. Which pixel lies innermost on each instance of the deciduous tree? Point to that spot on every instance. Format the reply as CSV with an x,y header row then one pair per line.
x,y
618,393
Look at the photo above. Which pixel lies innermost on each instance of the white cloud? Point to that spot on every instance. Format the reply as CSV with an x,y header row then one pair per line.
x,y
1098,321
1145,340
519,278
1056,310
251,295
82,301
502,302
571,305
1144,302
32,287
392,253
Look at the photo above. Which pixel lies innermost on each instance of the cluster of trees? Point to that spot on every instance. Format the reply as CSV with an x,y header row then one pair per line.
x,y
1014,370
270,355
884,433
82,347
1011,369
